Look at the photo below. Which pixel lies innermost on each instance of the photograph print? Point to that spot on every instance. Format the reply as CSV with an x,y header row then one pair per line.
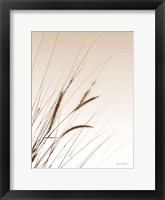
x,y
82,100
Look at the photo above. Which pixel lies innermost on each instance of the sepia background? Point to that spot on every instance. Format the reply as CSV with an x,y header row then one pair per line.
x,y
108,62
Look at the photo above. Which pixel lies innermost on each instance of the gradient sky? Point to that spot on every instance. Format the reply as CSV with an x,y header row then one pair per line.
x,y
114,82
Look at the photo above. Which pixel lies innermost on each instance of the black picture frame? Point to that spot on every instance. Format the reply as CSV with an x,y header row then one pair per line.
x,y
5,7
